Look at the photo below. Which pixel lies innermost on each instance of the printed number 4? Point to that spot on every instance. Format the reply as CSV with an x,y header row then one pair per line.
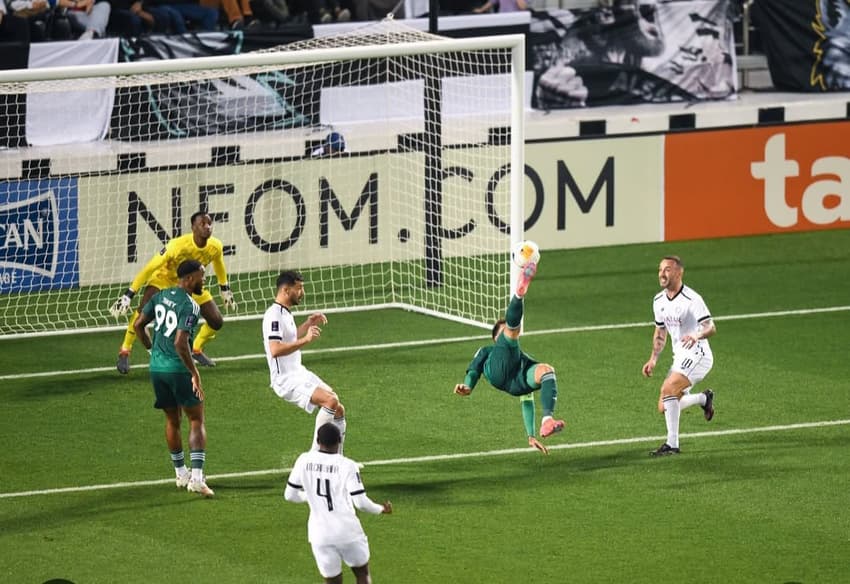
x,y
167,317
327,493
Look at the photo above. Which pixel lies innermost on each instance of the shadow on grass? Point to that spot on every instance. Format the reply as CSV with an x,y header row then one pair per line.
x,y
58,513
92,384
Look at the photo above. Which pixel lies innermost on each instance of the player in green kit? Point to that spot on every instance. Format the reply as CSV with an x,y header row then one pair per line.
x,y
175,378
508,369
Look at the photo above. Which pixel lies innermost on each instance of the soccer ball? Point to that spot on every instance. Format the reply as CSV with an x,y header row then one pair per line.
x,y
525,252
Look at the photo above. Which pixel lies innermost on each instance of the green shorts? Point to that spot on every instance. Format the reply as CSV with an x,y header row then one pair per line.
x,y
173,389
509,369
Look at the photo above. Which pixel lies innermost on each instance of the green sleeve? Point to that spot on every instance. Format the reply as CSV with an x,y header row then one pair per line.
x,y
476,367
527,403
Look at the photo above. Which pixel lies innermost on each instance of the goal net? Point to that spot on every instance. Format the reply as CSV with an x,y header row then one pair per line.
x,y
376,162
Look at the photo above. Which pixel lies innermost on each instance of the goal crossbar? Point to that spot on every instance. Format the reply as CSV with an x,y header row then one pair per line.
x,y
267,59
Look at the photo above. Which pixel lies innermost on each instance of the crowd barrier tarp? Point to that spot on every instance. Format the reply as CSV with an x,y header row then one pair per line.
x,y
75,116
633,52
806,43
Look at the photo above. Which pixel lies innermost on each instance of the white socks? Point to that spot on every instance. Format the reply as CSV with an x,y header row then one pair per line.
x,y
689,400
671,416
341,424
323,417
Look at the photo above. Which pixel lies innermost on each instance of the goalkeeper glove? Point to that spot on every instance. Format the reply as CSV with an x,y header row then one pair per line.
x,y
227,297
122,305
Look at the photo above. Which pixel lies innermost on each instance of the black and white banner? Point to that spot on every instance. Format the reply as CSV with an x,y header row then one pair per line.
x,y
807,44
206,106
633,51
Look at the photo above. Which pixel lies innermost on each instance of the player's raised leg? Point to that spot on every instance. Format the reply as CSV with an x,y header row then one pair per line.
x,y
330,410
525,276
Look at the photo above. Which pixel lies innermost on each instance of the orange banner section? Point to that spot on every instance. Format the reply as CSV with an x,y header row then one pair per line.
x,y
754,181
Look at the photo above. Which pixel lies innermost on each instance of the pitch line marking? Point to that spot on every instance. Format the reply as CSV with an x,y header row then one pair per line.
x,y
440,457
443,341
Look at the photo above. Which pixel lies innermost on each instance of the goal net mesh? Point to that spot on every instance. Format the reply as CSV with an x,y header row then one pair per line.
x,y
384,180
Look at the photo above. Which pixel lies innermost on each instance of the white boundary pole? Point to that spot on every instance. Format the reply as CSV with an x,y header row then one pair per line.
x,y
517,182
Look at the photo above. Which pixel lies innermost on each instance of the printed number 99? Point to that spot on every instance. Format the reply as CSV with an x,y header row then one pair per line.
x,y
166,317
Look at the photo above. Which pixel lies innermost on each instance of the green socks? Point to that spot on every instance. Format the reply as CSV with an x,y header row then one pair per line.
x,y
513,315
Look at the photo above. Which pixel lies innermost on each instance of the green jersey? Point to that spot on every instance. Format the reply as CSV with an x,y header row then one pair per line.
x,y
504,366
172,309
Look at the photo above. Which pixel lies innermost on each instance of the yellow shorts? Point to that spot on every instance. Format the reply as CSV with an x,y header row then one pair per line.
x,y
163,283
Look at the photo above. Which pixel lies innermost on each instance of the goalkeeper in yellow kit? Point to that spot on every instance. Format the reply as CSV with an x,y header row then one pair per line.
x,y
161,273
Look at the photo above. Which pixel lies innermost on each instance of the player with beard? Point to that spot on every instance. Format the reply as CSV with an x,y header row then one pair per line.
x,y
175,378
283,341
680,311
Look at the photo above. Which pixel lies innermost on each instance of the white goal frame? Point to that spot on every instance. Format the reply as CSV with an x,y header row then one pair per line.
x,y
515,43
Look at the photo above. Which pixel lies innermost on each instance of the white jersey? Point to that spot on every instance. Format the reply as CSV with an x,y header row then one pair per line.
x,y
329,481
279,325
682,315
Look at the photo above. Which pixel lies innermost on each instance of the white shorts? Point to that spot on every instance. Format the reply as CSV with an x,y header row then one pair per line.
x,y
297,388
329,558
694,365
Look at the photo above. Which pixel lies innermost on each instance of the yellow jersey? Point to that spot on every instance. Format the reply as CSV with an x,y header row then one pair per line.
x,y
163,266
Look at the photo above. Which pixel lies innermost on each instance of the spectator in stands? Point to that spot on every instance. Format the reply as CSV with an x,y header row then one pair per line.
x,y
13,28
502,6
323,11
304,10
272,11
84,15
130,18
333,11
174,14
90,16
377,9
238,12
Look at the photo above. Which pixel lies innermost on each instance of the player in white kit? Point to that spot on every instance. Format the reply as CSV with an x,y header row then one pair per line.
x,y
283,340
330,484
682,313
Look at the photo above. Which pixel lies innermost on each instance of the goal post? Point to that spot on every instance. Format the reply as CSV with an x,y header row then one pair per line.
x,y
378,162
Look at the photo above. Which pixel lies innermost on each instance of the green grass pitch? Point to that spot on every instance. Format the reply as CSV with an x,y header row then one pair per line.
x,y
760,494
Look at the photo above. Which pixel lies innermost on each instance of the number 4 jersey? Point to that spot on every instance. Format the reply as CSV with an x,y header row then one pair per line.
x,y
329,482
172,309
